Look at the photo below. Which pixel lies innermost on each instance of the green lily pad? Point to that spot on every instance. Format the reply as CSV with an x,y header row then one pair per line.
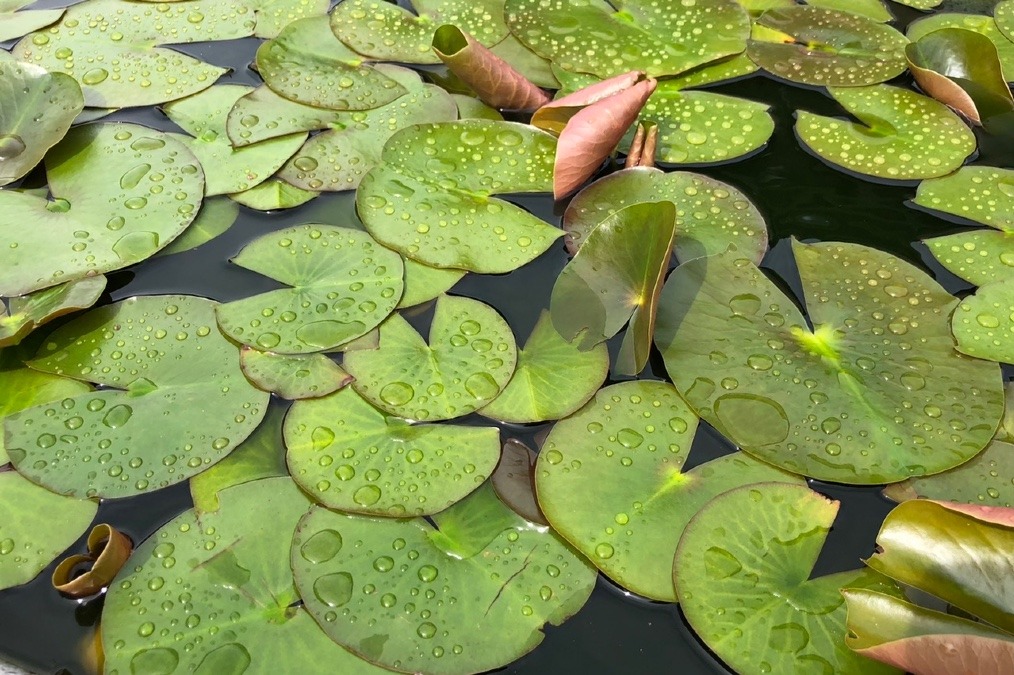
x,y
659,38
874,393
431,196
901,135
982,324
112,48
984,194
343,286
307,64
273,194
472,108
974,22
349,456
710,215
616,276
424,283
537,69
213,592
215,217
36,110
14,24
979,257
761,6
924,5
553,378
227,169
36,525
163,422
292,377
28,312
468,595
984,479
627,447
871,9
470,357
120,193
745,560
274,15
1003,15
818,46
386,32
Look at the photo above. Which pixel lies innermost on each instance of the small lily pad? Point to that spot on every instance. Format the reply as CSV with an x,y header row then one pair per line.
x,y
871,9
273,194
985,479
901,135
215,217
467,595
343,286
979,257
14,23
292,377
745,560
274,15
349,456
431,197
983,194
424,283
1003,15
983,325
472,108
26,313
470,357
553,378
120,193
979,23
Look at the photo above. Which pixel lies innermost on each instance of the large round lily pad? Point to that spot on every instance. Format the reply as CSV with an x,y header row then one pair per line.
x,y
470,357
742,572
874,393
467,595
212,592
984,194
350,456
176,403
979,23
120,193
343,285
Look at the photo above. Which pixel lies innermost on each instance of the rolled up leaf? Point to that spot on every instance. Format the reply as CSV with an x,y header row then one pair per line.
x,y
108,550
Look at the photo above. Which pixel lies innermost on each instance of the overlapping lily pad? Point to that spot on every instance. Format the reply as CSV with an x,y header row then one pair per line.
x,y
213,592
26,313
987,479
871,9
176,400
984,194
424,283
901,135
745,560
293,377
215,217
350,456
120,193
470,357
467,595
979,257
979,23
272,195
983,324
14,23
873,393
431,198
274,15
343,285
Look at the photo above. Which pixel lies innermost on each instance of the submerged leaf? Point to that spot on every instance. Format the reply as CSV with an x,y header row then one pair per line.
x,y
108,550
979,23
514,481
292,377
28,312
980,480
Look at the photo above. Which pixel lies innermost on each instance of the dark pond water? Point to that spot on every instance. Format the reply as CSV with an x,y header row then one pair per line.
x,y
615,632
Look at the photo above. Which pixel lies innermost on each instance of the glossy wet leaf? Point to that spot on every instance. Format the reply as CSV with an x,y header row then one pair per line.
x,y
987,478
108,550
36,525
745,561
432,201
227,169
113,48
465,596
342,286
659,38
221,582
901,135
157,423
553,378
974,22
423,283
292,377
979,257
468,361
274,15
473,108
616,276
273,194
871,9
120,192
969,566
14,23
350,456
26,313
982,323
514,481
874,393
627,446
215,217
818,46
920,4
1003,15
307,64
36,110
983,194
710,215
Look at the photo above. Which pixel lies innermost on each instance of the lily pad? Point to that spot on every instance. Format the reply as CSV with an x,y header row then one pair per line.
x,y
627,447
36,525
467,595
617,276
979,23
214,591
745,560
710,215
215,217
431,198
659,38
470,357
982,323
112,48
227,169
1003,15
514,481
292,377
120,193
924,5
901,135
273,194
36,110
28,312
307,64
871,9
274,15
343,286
874,393
818,46
158,423
349,456
473,108
424,283
979,257
983,194
984,479
14,24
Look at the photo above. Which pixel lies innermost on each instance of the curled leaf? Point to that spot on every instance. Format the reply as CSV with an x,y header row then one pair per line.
x,y
27,312
514,481
108,550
